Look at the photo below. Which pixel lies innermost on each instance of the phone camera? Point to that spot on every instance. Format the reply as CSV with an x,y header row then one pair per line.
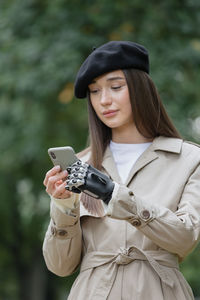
x,y
53,155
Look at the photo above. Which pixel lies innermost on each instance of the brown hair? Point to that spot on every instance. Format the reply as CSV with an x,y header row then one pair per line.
x,y
149,115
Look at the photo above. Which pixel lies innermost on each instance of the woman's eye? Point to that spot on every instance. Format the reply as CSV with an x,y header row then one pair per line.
x,y
116,87
93,91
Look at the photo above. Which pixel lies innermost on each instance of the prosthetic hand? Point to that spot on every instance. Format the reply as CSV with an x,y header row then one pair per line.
x,y
85,178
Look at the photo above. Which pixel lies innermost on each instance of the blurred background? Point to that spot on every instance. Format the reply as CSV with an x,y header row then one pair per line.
x,y
42,44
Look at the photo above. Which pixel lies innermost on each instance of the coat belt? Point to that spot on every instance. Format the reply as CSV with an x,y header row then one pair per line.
x,y
157,260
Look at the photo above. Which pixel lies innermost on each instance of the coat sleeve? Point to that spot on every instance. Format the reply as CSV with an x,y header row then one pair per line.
x,y
177,232
63,242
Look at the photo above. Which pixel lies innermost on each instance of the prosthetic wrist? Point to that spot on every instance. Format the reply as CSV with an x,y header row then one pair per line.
x,y
85,178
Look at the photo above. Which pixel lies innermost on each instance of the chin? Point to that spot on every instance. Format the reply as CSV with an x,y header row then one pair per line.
x,y
112,126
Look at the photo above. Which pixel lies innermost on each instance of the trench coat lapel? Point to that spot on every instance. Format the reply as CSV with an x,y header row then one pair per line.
x,y
111,169
110,166
147,157
150,154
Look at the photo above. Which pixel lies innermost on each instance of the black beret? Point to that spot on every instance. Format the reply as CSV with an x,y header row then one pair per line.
x,y
114,55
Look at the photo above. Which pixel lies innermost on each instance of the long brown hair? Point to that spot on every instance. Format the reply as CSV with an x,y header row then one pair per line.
x,y
149,115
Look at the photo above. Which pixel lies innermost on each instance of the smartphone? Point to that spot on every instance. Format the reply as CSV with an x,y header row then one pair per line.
x,y
62,156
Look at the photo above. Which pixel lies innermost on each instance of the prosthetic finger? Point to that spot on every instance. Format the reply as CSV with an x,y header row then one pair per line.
x,y
77,173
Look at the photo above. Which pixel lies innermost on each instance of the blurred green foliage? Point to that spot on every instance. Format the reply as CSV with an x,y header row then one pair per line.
x,y
42,44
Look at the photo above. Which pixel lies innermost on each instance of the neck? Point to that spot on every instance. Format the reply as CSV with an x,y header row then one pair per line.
x,y
129,135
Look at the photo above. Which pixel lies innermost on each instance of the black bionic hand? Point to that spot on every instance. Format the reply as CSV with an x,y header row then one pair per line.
x,y
85,178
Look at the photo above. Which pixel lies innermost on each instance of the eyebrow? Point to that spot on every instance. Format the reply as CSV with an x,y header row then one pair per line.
x,y
111,79
115,78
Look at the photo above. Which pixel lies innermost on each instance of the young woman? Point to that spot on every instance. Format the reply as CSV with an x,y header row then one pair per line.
x,y
138,213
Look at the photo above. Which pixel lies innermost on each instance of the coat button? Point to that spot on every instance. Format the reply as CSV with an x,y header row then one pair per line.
x,y
145,214
131,193
136,222
62,232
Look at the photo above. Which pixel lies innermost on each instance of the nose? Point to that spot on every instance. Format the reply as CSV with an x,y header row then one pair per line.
x,y
106,98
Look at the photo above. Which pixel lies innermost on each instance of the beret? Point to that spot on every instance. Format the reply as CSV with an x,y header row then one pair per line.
x,y
114,55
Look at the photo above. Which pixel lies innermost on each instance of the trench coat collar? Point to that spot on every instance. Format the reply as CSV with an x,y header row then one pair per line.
x,y
167,144
160,143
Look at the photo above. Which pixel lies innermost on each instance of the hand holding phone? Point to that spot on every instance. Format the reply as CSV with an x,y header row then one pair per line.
x,y
55,182
55,179
82,176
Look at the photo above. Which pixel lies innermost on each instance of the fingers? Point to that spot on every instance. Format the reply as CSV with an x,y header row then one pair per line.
x,y
50,173
54,183
77,175
54,175
60,191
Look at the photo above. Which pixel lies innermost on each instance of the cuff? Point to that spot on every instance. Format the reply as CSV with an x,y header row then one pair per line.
x,y
124,205
68,204
66,232
61,219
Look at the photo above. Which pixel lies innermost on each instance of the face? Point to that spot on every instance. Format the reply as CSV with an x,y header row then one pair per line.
x,y
110,99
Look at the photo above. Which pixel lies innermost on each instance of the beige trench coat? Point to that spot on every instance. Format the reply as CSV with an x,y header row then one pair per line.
x,y
153,222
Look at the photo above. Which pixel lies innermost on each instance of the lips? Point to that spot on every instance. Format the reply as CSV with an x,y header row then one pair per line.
x,y
110,112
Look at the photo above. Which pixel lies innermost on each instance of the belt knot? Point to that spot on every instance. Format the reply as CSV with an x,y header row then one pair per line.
x,y
123,257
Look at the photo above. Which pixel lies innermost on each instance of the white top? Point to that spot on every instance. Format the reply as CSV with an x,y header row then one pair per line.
x,y
125,156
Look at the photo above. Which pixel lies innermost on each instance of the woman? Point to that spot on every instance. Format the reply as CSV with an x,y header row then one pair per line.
x,y
129,244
